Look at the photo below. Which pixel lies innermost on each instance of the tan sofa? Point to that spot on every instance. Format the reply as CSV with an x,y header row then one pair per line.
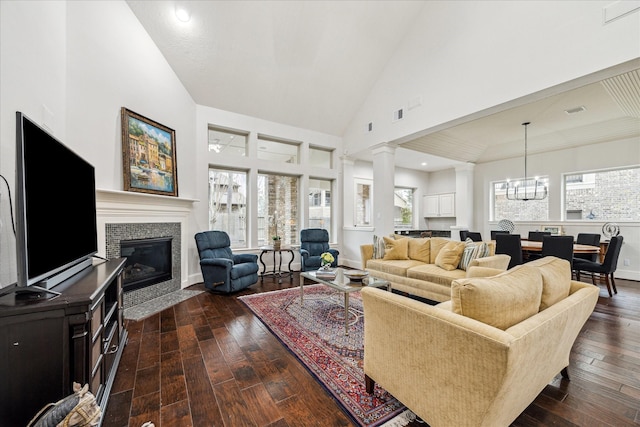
x,y
418,273
481,358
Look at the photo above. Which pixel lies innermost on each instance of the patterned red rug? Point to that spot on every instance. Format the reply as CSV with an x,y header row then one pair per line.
x,y
314,333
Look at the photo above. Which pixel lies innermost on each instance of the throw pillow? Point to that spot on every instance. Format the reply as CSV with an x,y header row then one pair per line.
x,y
500,301
420,250
378,247
437,243
449,256
473,250
396,249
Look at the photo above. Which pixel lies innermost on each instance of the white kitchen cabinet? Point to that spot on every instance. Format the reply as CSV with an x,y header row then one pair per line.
x,y
440,205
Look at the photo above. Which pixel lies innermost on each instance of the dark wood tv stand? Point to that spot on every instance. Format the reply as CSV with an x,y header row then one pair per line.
x,y
46,344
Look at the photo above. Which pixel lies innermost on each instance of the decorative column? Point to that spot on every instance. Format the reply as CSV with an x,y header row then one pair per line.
x,y
464,196
383,189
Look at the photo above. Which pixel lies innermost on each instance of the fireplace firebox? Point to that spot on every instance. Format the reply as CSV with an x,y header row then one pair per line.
x,y
148,262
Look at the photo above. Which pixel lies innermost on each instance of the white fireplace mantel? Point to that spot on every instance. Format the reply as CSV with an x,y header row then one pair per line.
x,y
117,207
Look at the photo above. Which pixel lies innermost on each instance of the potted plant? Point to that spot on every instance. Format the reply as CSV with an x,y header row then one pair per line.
x,y
276,242
325,260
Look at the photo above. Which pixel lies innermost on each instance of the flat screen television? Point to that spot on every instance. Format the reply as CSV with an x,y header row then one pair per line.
x,y
56,231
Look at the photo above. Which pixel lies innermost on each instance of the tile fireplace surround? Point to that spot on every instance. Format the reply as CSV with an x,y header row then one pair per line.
x,y
125,215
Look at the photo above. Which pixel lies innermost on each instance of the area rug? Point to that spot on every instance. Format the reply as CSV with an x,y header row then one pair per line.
x,y
314,333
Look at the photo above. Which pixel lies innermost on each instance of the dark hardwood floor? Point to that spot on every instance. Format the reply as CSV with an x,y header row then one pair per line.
x,y
209,361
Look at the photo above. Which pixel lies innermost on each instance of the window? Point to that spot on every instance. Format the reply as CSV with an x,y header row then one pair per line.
x,y
517,210
403,208
608,195
363,202
277,208
274,150
320,204
228,204
319,157
227,142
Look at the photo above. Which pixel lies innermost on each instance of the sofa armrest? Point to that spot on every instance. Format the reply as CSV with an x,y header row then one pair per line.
x,y
366,253
500,261
242,258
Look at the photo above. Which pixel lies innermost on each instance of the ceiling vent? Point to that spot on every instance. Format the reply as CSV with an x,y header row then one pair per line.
x,y
625,91
575,110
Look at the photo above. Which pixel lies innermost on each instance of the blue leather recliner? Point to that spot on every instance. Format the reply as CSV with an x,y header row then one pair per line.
x,y
314,242
222,270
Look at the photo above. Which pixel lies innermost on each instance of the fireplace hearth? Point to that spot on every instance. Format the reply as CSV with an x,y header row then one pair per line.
x,y
148,262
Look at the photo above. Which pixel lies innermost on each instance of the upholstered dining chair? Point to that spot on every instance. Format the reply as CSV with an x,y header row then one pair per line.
x,y
604,270
222,270
313,243
509,244
494,232
473,235
537,236
558,246
591,239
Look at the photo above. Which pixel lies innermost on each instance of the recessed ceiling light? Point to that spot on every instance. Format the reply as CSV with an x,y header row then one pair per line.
x,y
424,163
182,14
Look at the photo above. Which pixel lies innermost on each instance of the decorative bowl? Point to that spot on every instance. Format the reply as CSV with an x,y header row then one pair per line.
x,y
356,275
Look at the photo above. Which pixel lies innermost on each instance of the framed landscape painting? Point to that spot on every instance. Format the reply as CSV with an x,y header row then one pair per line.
x,y
556,230
148,155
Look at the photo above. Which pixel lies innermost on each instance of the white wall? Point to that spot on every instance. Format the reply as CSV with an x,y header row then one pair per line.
x,y
32,75
464,57
112,66
554,164
84,61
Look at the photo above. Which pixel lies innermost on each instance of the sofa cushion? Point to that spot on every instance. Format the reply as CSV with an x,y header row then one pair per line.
x,y
473,250
433,273
556,279
395,249
420,249
449,256
396,267
500,301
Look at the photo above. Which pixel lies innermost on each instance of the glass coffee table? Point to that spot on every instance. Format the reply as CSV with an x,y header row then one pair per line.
x,y
342,283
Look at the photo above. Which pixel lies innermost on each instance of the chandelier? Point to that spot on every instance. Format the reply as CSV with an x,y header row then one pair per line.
x,y
527,188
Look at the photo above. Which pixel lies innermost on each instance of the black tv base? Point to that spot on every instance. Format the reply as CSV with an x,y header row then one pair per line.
x,y
46,344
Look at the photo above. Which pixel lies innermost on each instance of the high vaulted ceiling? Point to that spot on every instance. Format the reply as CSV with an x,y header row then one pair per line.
x,y
311,64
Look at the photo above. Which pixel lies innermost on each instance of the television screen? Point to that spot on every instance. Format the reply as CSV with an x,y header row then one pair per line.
x,y
55,205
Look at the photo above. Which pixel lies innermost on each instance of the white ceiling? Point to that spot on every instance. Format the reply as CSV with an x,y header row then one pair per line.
x,y
311,64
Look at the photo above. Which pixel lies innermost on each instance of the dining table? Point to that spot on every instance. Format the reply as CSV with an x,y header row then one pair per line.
x,y
536,246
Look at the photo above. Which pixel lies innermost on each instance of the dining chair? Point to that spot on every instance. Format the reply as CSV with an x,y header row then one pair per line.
x,y
605,269
473,235
494,232
537,236
558,246
591,239
509,244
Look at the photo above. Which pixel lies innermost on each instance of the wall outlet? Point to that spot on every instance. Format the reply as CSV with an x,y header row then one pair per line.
x,y
627,262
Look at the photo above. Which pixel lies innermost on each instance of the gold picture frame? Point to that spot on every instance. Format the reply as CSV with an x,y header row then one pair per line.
x,y
148,155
